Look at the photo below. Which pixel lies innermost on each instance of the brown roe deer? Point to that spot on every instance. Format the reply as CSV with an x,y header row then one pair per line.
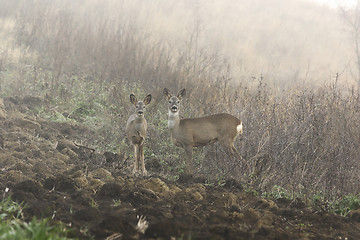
x,y
136,128
195,132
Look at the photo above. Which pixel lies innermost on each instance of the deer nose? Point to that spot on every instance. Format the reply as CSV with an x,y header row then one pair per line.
x,y
174,108
140,112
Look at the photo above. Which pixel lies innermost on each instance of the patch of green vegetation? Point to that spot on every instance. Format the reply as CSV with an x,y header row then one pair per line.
x,y
13,227
10,209
341,206
346,204
116,202
251,191
34,230
93,203
277,192
219,182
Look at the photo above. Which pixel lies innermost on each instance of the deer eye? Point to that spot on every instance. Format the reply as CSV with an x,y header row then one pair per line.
x,y
169,101
178,102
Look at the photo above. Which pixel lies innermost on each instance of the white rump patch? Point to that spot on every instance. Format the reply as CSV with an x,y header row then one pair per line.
x,y
239,128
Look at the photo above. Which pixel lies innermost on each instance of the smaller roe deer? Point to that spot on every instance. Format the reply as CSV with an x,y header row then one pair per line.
x,y
195,132
136,128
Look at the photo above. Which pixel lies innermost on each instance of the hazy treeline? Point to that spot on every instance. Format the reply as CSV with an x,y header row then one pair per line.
x,y
288,42
86,57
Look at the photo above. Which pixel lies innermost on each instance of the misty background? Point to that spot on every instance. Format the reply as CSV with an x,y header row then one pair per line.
x,y
285,42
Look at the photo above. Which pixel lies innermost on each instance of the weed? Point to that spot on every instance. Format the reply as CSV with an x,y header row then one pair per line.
x,y
10,209
277,192
12,227
116,202
346,204
93,203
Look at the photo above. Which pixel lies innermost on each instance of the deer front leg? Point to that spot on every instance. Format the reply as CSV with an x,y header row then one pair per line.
x,y
142,162
136,158
189,160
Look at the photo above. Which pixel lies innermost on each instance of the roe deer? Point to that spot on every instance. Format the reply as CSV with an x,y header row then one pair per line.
x,y
136,128
194,132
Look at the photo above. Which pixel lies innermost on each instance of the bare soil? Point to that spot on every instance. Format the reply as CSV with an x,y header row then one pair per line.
x,y
44,166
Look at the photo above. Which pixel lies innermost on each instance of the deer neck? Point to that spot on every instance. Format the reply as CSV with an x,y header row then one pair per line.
x,y
140,123
173,120
139,119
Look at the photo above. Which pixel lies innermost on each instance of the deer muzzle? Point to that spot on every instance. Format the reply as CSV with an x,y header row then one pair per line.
x,y
174,108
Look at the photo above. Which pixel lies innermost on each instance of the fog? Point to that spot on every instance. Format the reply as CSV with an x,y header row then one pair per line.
x,y
284,42
336,3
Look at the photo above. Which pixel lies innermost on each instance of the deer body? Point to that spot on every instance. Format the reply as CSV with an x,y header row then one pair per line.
x,y
203,131
136,128
196,132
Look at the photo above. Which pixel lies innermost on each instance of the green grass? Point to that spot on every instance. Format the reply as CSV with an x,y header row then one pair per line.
x,y
346,204
13,227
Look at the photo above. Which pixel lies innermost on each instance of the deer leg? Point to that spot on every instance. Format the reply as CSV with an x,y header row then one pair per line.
x,y
245,164
189,159
136,160
230,148
142,163
233,152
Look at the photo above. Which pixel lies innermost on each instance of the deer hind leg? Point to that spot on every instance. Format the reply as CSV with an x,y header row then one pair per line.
x,y
229,146
141,161
233,152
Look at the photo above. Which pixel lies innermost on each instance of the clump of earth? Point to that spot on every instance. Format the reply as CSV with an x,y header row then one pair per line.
x,y
44,167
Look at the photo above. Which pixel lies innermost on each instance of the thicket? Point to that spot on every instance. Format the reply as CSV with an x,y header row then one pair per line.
x,y
85,64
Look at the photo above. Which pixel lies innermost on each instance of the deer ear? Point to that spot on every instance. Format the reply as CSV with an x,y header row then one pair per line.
x,y
167,93
147,100
181,94
133,99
